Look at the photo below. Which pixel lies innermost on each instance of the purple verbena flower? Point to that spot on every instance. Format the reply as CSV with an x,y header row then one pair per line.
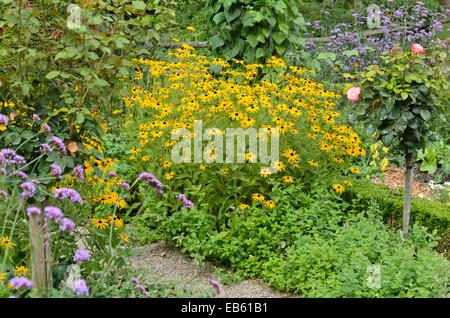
x,y
59,144
19,174
33,211
79,287
30,189
54,213
142,289
3,119
187,203
216,284
124,185
81,255
20,282
46,128
134,280
152,180
9,157
66,225
78,171
66,193
111,174
3,195
56,171
45,148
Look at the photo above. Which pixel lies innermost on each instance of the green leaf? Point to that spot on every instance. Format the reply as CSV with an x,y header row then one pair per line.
x,y
252,39
61,55
139,5
219,17
425,114
284,28
232,52
278,37
260,53
52,75
216,41
404,95
101,82
232,15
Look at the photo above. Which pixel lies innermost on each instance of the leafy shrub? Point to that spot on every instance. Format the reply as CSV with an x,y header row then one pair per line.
x,y
433,215
337,266
70,76
254,30
304,248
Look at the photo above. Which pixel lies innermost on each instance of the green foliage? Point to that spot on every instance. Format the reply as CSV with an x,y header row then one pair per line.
x,y
435,154
338,265
433,215
70,75
403,96
304,248
254,30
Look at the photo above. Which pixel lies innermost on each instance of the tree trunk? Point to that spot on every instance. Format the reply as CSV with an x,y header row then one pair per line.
x,y
40,254
408,193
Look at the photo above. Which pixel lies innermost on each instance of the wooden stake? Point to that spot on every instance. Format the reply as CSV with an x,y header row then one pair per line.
x,y
408,193
40,253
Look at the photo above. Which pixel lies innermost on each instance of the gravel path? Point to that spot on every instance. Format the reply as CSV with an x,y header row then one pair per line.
x,y
166,264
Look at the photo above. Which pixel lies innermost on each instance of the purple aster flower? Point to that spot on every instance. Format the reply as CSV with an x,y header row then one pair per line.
x,y
81,255
79,173
134,280
20,282
56,171
66,193
216,284
46,128
124,185
36,117
53,213
59,144
79,287
19,174
66,225
45,148
33,211
142,289
3,119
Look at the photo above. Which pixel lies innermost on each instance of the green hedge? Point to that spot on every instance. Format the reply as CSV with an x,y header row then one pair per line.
x,y
432,215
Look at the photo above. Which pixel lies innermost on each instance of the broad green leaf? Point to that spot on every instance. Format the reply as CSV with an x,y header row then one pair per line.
x,y
139,5
52,75
278,37
284,28
216,41
425,114
252,39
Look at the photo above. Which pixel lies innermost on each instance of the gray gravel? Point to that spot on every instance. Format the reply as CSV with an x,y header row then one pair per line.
x,y
165,264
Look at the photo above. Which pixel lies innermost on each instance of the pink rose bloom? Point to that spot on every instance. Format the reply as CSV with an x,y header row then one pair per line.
x,y
353,94
417,49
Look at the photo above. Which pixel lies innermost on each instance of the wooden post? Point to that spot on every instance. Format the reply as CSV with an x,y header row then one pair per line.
x,y
40,253
408,193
